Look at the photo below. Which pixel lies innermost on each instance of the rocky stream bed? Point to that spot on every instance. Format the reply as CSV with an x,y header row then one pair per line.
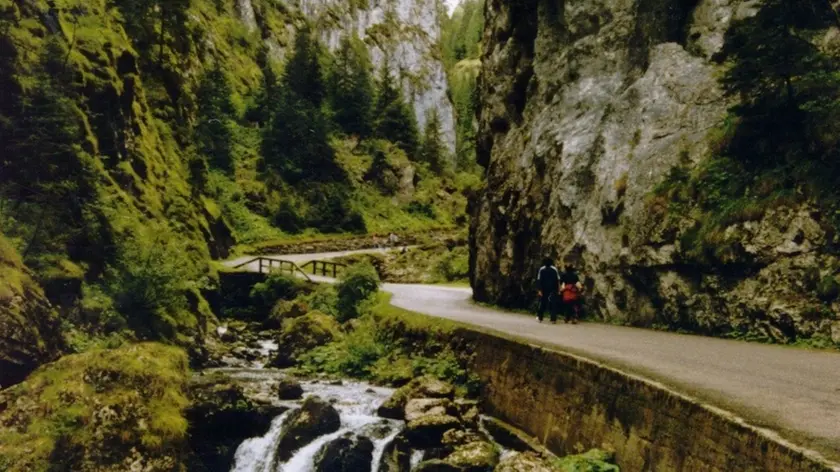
x,y
250,418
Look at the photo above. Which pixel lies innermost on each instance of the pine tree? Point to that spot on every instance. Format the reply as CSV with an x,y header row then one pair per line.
x,y
304,76
351,88
396,121
213,134
432,151
782,79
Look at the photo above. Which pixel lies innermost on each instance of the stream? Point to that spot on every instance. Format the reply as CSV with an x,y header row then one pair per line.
x,y
355,402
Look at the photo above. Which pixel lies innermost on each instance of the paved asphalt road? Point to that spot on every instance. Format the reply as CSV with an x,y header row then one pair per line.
x,y
795,392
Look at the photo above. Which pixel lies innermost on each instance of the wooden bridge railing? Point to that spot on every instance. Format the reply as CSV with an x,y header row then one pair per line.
x,y
268,265
325,268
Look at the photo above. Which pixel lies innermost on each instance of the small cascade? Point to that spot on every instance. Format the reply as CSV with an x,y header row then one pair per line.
x,y
256,454
416,458
356,404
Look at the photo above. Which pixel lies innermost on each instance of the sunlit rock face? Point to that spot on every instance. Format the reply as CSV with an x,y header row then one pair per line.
x,y
406,33
585,107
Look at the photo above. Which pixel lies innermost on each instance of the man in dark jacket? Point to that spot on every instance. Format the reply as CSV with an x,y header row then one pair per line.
x,y
548,281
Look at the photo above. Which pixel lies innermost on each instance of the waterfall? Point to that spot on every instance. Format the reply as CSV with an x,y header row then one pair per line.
x,y
356,404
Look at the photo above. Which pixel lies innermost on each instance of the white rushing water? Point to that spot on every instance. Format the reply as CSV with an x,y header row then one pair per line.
x,y
356,404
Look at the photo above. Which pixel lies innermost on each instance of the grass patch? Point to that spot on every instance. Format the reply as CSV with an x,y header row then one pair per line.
x,y
391,346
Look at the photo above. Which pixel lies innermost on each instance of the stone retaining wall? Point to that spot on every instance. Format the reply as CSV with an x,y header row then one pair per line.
x,y
571,404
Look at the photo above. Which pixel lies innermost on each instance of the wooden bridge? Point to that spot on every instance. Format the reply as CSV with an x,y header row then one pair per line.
x,y
269,265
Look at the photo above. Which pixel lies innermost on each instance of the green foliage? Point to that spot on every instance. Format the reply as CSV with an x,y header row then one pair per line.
x,y
213,133
149,280
351,88
276,287
391,346
296,141
395,118
323,299
789,93
433,152
96,410
356,286
595,460
461,43
304,76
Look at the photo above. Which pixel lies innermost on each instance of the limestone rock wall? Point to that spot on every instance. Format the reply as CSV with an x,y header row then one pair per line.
x,y
586,106
407,32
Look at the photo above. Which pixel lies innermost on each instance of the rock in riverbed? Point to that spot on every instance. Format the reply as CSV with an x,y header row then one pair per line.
x,y
427,431
315,418
349,453
424,387
289,389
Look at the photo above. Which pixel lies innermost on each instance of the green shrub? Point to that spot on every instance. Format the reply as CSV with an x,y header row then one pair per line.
x,y
359,284
454,265
323,299
149,280
276,287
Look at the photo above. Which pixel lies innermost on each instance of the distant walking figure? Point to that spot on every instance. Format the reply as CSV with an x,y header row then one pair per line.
x,y
571,288
548,280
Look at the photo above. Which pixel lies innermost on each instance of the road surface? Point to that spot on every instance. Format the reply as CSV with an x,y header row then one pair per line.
x,y
795,392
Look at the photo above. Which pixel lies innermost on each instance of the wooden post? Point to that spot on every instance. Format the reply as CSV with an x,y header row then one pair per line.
x,y
260,262
335,270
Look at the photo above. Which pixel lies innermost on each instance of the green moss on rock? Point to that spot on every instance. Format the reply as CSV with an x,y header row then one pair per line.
x,y
104,410
29,327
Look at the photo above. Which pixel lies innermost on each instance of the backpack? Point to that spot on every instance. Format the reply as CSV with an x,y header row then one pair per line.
x,y
571,293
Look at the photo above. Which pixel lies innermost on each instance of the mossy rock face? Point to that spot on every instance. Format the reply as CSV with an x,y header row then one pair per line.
x,y
29,328
477,456
315,418
525,462
423,387
303,334
427,432
397,455
220,418
104,410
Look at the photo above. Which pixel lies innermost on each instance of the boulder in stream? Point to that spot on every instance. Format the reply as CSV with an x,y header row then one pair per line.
x,y
418,407
220,417
423,387
289,389
427,432
313,419
478,456
524,462
349,453
397,455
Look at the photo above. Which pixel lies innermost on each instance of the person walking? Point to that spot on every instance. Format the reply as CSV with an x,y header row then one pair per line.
x,y
548,281
571,289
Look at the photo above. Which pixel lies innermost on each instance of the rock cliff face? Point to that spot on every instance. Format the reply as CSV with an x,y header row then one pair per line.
x,y
586,106
407,33
29,327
